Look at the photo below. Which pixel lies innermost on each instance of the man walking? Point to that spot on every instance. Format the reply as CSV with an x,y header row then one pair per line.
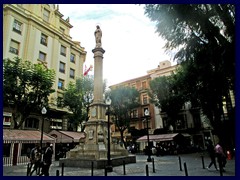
x,y
212,154
47,160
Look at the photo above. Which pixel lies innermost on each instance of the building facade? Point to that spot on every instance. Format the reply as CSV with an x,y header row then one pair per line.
x,y
38,33
189,120
137,115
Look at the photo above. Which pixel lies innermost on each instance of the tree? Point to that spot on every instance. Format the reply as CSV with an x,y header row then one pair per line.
x,y
165,94
124,99
26,88
78,97
204,35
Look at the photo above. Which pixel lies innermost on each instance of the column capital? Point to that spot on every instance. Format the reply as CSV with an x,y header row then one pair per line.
x,y
98,49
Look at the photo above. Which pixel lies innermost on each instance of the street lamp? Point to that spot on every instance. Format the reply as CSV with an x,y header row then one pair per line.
x,y
146,114
109,166
44,112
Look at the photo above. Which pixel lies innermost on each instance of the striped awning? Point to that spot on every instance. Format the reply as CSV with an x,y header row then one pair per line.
x,y
25,136
67,136
159,137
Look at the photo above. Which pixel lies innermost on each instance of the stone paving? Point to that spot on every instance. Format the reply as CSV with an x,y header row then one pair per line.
x,y
163,165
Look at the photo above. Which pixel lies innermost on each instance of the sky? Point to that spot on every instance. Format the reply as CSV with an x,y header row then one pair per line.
x,y
131,45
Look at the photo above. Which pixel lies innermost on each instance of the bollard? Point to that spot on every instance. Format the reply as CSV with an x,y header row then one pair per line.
x,y
62,168
147,174
92,169
185,168
203,166
57,172
105,171
153,165
180,164
124,169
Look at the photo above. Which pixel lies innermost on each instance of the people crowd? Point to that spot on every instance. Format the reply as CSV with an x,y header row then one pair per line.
x,y
40,160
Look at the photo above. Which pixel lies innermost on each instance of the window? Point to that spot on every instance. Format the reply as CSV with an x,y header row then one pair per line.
x,y
46,15
14,47
144,85
181,121
17,26
43,39
72,73
6,120
72,58
60,84
32,123
134,114
145,99
63,50
62,67
56,124
42,56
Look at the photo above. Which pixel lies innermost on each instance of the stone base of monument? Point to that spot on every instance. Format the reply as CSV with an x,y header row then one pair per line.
x,y
83,155
97,164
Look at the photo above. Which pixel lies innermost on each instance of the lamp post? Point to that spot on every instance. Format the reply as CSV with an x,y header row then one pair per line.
x,y
109,166
146,114
44,111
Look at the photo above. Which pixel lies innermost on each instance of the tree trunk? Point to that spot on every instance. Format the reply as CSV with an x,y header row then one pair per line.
x,y
122,139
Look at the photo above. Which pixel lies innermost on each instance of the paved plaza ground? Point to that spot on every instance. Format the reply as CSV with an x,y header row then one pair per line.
x,y
164,166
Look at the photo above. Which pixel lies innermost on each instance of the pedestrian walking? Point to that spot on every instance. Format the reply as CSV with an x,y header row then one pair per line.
x,y
47,160
32,157
221,157
212,155
37,160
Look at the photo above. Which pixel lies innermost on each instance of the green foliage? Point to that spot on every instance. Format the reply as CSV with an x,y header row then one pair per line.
x,y
165,93
26,88
78,97
194,28
124,99
204,37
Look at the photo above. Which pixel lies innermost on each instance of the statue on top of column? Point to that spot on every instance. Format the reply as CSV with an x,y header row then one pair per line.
x,y
98,36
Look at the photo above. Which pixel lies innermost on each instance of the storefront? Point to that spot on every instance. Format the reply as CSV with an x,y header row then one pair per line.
x,y
18,143
170,142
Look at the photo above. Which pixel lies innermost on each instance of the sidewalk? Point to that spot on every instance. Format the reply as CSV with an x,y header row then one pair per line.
x,y
164,166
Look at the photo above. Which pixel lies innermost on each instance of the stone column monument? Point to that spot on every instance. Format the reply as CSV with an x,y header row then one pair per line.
x,y
96,127
94,147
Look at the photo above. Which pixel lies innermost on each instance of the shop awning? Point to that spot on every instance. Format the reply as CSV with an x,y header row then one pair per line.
x,y
25,136
161,137
67,136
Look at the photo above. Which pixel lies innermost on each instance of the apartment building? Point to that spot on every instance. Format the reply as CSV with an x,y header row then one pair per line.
x,y
38,33
187,119
137,115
